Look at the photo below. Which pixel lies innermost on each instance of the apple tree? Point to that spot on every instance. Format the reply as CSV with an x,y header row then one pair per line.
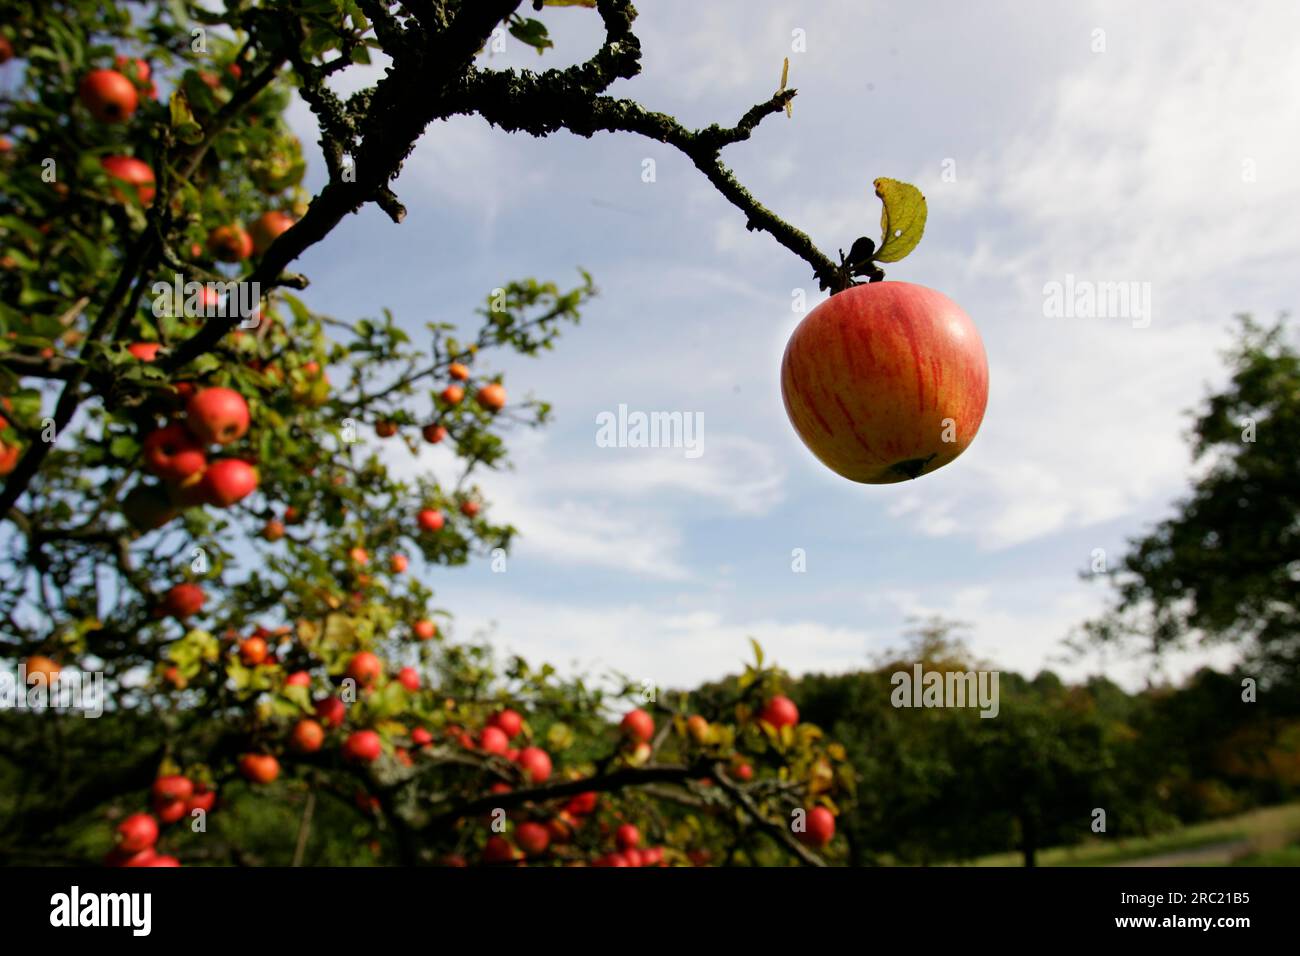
x,y
195,509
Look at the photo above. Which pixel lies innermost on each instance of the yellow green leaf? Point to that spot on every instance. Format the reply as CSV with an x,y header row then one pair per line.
x,y
902,220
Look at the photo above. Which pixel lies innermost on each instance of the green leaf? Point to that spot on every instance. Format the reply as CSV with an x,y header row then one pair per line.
x,y
532,32
184,125
758,653
902,220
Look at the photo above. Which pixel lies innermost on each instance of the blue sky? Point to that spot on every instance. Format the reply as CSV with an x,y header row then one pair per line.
x,y
1164,158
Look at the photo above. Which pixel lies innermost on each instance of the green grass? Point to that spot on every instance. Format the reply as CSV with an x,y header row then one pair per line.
x,y
1272,833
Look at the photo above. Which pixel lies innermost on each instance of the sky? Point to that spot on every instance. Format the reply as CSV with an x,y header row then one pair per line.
x,y
1109,142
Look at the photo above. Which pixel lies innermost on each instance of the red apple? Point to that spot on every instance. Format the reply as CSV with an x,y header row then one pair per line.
x,y
386,428
469,508
169,812
433,433
331,710
267,228
458,371
365,668
164,860
431,520
273,530
228,480
627,836
743,771
409,678
637,725
110,96
819,828
144,351
421,737
363,746
259,768
698,728
533,838
6,50
885,381
137,832
252,651
230,243
499,850
493,740
132,172
217,415
397,563
203,799
298,679
359,556
492,397
173,454
184,600
453,394
307,736
171,789
780,712
535,763
425,629
139,67
508,722
582,804
39,664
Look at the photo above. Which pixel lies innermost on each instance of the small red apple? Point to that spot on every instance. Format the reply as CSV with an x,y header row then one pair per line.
x,y
469,508
139,67
433,433
217,415
508,721
582,804
819,828
397,563
229,480
144,351
273,530
421,737
137,832
743,771
698,728
637,725
298,679
627,836
331,710
252,651
110,96
359,556
230,243
493,740
533,838
425,629
535,763
183,600
307,736
6,50
39,664
267,228
498,850
780,712
492,397
453,394
431,519
458,371
132,172
169,812
259,768
386,428
171,789
885,381
362,746
409,678
173,454
365,668
203,799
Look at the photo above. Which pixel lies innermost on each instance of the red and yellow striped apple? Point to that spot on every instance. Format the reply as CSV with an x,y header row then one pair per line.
x,y
885,381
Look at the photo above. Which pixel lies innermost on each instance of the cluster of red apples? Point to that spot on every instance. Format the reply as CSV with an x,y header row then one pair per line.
x,y
175,797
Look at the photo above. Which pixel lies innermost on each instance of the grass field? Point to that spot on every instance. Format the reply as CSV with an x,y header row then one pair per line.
x,y
1268,837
